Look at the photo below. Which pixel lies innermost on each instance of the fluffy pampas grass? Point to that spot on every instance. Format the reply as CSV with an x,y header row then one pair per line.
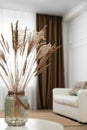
x,y
29,48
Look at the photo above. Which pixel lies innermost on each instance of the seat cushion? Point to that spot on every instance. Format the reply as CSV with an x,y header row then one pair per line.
x,y
66,100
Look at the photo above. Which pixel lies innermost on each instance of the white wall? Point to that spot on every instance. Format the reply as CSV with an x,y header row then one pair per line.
x,y
77,48
65,49
25,19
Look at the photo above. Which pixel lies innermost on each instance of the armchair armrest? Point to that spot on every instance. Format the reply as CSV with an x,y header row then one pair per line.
x,y
61,91
82,97
82,93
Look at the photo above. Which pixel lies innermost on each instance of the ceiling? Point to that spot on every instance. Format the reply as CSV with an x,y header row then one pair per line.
x,y
55,7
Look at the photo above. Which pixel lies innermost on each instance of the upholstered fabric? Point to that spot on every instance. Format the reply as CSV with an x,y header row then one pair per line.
x,y
67,100
74,107
77,86
84,85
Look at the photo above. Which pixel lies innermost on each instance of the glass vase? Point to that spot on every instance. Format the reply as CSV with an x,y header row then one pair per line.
x,y
16,109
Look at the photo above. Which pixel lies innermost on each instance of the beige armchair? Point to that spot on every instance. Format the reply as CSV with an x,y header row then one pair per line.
x,y
71,106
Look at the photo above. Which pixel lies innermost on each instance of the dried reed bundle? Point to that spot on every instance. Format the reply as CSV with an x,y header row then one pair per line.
x,y
29,48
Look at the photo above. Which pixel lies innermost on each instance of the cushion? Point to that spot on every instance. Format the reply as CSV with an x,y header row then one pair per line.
x,y
75,88
78,85
66,100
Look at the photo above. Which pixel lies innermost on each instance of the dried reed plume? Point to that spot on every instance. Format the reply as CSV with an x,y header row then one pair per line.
x,y
29,49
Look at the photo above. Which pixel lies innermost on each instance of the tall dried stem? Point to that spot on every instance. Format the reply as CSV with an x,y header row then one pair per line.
x,y
24,47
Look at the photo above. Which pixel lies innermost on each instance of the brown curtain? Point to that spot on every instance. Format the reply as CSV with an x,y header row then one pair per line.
x,y
53,77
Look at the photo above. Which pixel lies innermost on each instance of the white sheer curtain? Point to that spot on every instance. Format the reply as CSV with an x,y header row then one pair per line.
x,y
25,19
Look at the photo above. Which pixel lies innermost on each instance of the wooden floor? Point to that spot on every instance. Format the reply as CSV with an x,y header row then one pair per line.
x,y
82,127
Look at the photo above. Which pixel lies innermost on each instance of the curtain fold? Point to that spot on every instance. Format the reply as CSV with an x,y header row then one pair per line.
x,y
53,77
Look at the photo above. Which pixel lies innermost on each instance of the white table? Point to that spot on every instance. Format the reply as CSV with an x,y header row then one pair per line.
x,y
33,124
